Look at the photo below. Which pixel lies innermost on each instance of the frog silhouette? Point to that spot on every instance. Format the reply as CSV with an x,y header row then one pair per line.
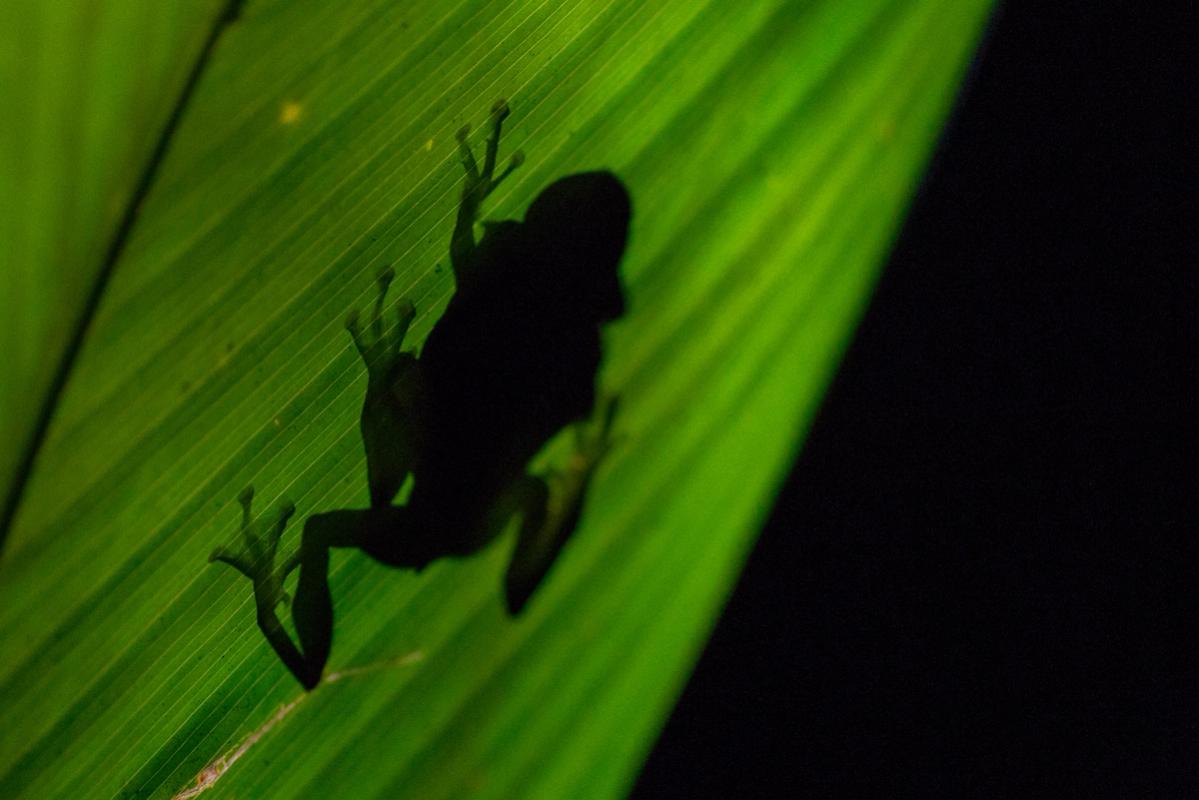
x,y
510,364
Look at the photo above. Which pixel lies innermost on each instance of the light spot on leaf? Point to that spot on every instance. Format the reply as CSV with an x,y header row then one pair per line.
x,y
290,112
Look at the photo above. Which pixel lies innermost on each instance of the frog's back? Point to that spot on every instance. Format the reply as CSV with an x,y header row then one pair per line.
x,y
508,364
514,358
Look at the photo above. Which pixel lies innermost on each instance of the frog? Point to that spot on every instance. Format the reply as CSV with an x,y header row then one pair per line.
x,y
510,364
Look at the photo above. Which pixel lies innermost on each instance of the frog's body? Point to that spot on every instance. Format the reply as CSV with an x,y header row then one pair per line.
x,y
510,363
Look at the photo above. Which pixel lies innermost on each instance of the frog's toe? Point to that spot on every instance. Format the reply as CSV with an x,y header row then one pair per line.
x,y
225,555
233,558
463,133
514,161
500,110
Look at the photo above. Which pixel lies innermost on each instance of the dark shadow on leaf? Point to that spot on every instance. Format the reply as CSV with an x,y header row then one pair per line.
x,y
512,362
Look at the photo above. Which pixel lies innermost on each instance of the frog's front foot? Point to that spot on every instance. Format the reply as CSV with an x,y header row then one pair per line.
x,y
482,182
593,440
379,348
255,558
552,506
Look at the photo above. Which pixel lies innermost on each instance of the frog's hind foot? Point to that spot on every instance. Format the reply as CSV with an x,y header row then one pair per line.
x,y
482,182
378,348
255,558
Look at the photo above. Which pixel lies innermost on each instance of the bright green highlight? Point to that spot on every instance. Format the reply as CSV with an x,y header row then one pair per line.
x,y
770,148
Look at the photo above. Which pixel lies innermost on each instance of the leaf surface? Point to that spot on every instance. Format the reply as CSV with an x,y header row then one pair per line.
x,y
86,90
770,148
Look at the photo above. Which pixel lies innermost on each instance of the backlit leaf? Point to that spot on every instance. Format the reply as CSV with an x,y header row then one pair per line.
x,y
770,147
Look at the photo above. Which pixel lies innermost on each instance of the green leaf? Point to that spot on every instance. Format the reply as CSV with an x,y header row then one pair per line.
x,y
83,111
770,148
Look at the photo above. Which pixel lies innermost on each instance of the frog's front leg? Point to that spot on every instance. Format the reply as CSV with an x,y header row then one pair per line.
x,y
550,507
256,560
479,183
390,420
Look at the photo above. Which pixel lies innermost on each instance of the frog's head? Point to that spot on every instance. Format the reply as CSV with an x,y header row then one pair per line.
x,y
579,225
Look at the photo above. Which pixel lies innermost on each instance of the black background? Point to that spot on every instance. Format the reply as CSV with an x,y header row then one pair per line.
x,y
981,577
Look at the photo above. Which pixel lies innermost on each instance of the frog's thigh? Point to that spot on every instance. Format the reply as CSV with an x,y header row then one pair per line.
x,y
393,537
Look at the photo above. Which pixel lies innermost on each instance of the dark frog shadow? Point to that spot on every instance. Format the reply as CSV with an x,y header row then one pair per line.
x,y
511,363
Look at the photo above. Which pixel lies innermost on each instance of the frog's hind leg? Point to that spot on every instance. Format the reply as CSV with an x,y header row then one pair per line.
x,y
312,609
256,560
381,532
